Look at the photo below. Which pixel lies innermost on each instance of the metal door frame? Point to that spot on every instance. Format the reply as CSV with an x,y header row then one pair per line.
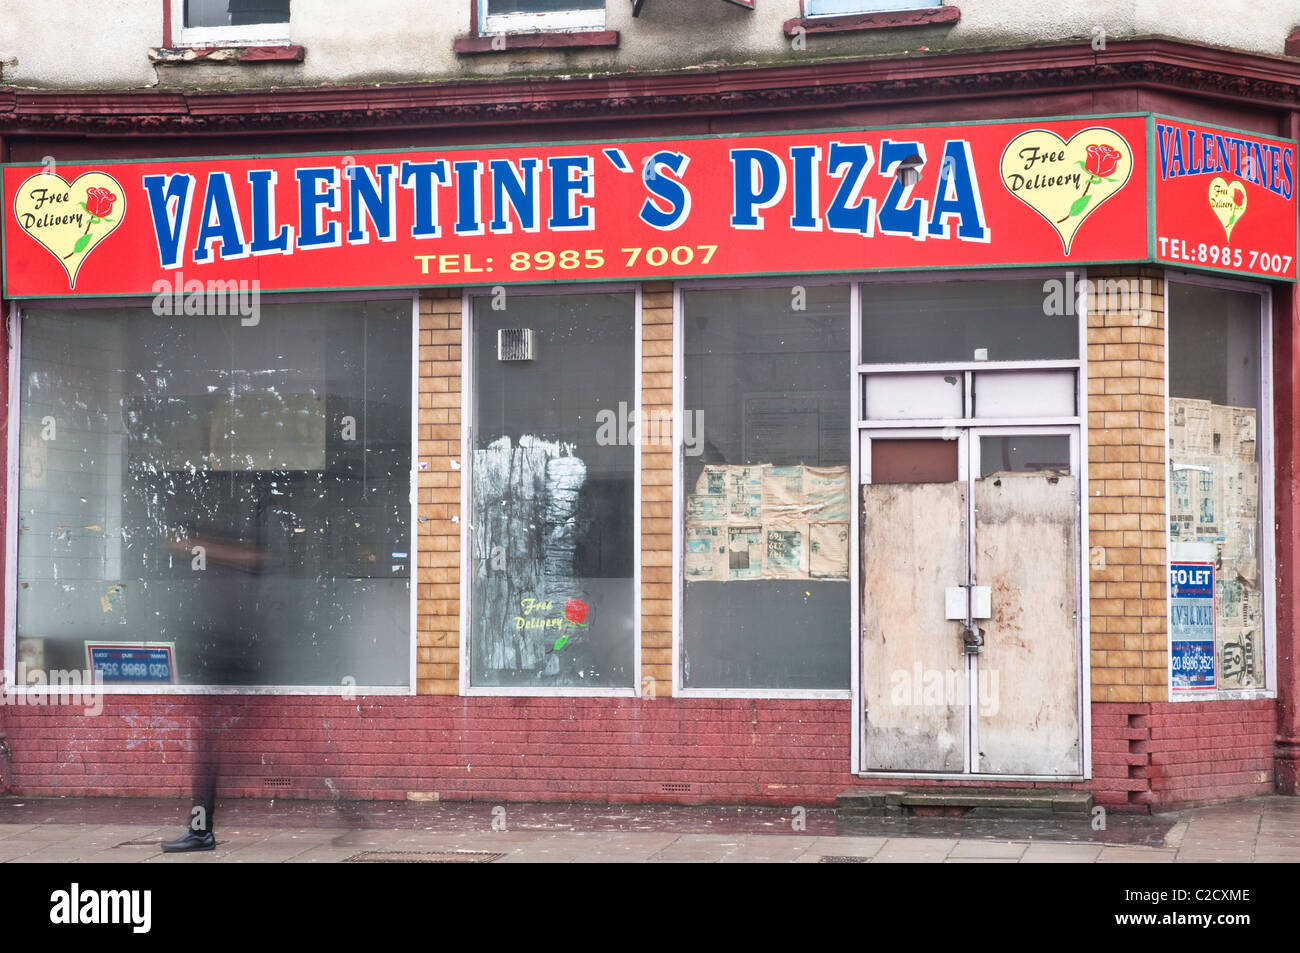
x,y
968,434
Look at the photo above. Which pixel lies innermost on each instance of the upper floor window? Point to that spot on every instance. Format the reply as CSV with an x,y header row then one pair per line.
x,y
835,8
229,22
522,16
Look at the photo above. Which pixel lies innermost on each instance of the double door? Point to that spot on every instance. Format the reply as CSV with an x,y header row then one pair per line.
x,y
970,568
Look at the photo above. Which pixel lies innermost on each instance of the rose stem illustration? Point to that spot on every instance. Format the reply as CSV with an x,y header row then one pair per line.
x,y
103,200
1101,161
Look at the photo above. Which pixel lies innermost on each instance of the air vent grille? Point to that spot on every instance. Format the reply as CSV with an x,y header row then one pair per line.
x,y
516,344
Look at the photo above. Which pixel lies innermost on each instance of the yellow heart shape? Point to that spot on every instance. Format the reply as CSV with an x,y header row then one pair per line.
x,y
1066,181
1228,200
70,219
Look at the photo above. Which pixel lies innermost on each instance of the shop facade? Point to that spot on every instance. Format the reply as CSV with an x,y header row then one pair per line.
x,y
751,442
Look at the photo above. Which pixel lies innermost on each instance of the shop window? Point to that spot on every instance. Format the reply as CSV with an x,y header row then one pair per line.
x,y
766,433
229,22
1218,547
553,474
235,493
524,16
960,321
834,8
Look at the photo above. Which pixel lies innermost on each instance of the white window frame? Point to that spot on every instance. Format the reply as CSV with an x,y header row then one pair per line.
x,y
1078,425
252,34
11,526
560,21
467,384
1267,511
870,6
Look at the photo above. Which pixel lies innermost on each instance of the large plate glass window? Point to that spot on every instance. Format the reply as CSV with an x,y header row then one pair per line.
x,y
552,538
766,436
237,493
1217,437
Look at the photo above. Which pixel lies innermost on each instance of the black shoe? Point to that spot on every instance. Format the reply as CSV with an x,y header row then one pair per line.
x,y
193,840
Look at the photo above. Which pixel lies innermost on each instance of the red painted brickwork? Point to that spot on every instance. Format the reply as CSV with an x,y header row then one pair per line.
x,y
593,749
1171,755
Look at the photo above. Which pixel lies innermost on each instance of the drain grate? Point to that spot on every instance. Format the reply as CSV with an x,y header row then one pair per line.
x,y
141,843
841,859
423,857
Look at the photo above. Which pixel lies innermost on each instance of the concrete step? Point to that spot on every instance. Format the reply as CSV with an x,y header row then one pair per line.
x,y
963,802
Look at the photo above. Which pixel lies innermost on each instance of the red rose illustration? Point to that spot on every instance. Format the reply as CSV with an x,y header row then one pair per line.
x,y
1238,196
1101,160
99,202
575,610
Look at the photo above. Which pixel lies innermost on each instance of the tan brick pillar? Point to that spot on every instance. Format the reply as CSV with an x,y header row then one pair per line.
x,y
1126,490
657,492
437,608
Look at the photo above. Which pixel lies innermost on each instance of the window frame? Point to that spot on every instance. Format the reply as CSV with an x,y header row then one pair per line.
x,y
252,34
869,7
1267,503
853,282
13,471
566,21
468,382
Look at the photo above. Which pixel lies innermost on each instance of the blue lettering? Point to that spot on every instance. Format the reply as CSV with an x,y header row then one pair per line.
x,y
266,240
570,180
758,180
424,178
843,215
958,195
312,204
219,220
519,187
169,205
371,197
469,199
671,191
807,165
895,217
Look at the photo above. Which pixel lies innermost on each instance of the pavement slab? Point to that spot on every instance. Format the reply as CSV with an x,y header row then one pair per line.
x,y
98,830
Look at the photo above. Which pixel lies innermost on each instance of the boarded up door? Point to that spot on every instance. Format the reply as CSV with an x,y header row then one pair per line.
x,y
914,545
1026,551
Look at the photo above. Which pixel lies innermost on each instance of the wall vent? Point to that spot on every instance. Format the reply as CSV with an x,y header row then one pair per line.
x,y
516,344
676,787
276,782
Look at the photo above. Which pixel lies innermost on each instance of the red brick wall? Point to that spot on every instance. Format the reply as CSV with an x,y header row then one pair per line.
x,y
585,749
1182,754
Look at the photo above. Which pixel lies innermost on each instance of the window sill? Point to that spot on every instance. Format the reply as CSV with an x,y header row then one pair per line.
x,y
179,56
511,42
892,19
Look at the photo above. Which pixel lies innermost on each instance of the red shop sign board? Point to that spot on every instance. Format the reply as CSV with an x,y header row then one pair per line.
x,y
1225,200
1049,192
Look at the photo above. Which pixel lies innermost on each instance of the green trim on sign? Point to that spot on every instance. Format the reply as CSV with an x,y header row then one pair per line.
x,y
1242,275
1152,159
